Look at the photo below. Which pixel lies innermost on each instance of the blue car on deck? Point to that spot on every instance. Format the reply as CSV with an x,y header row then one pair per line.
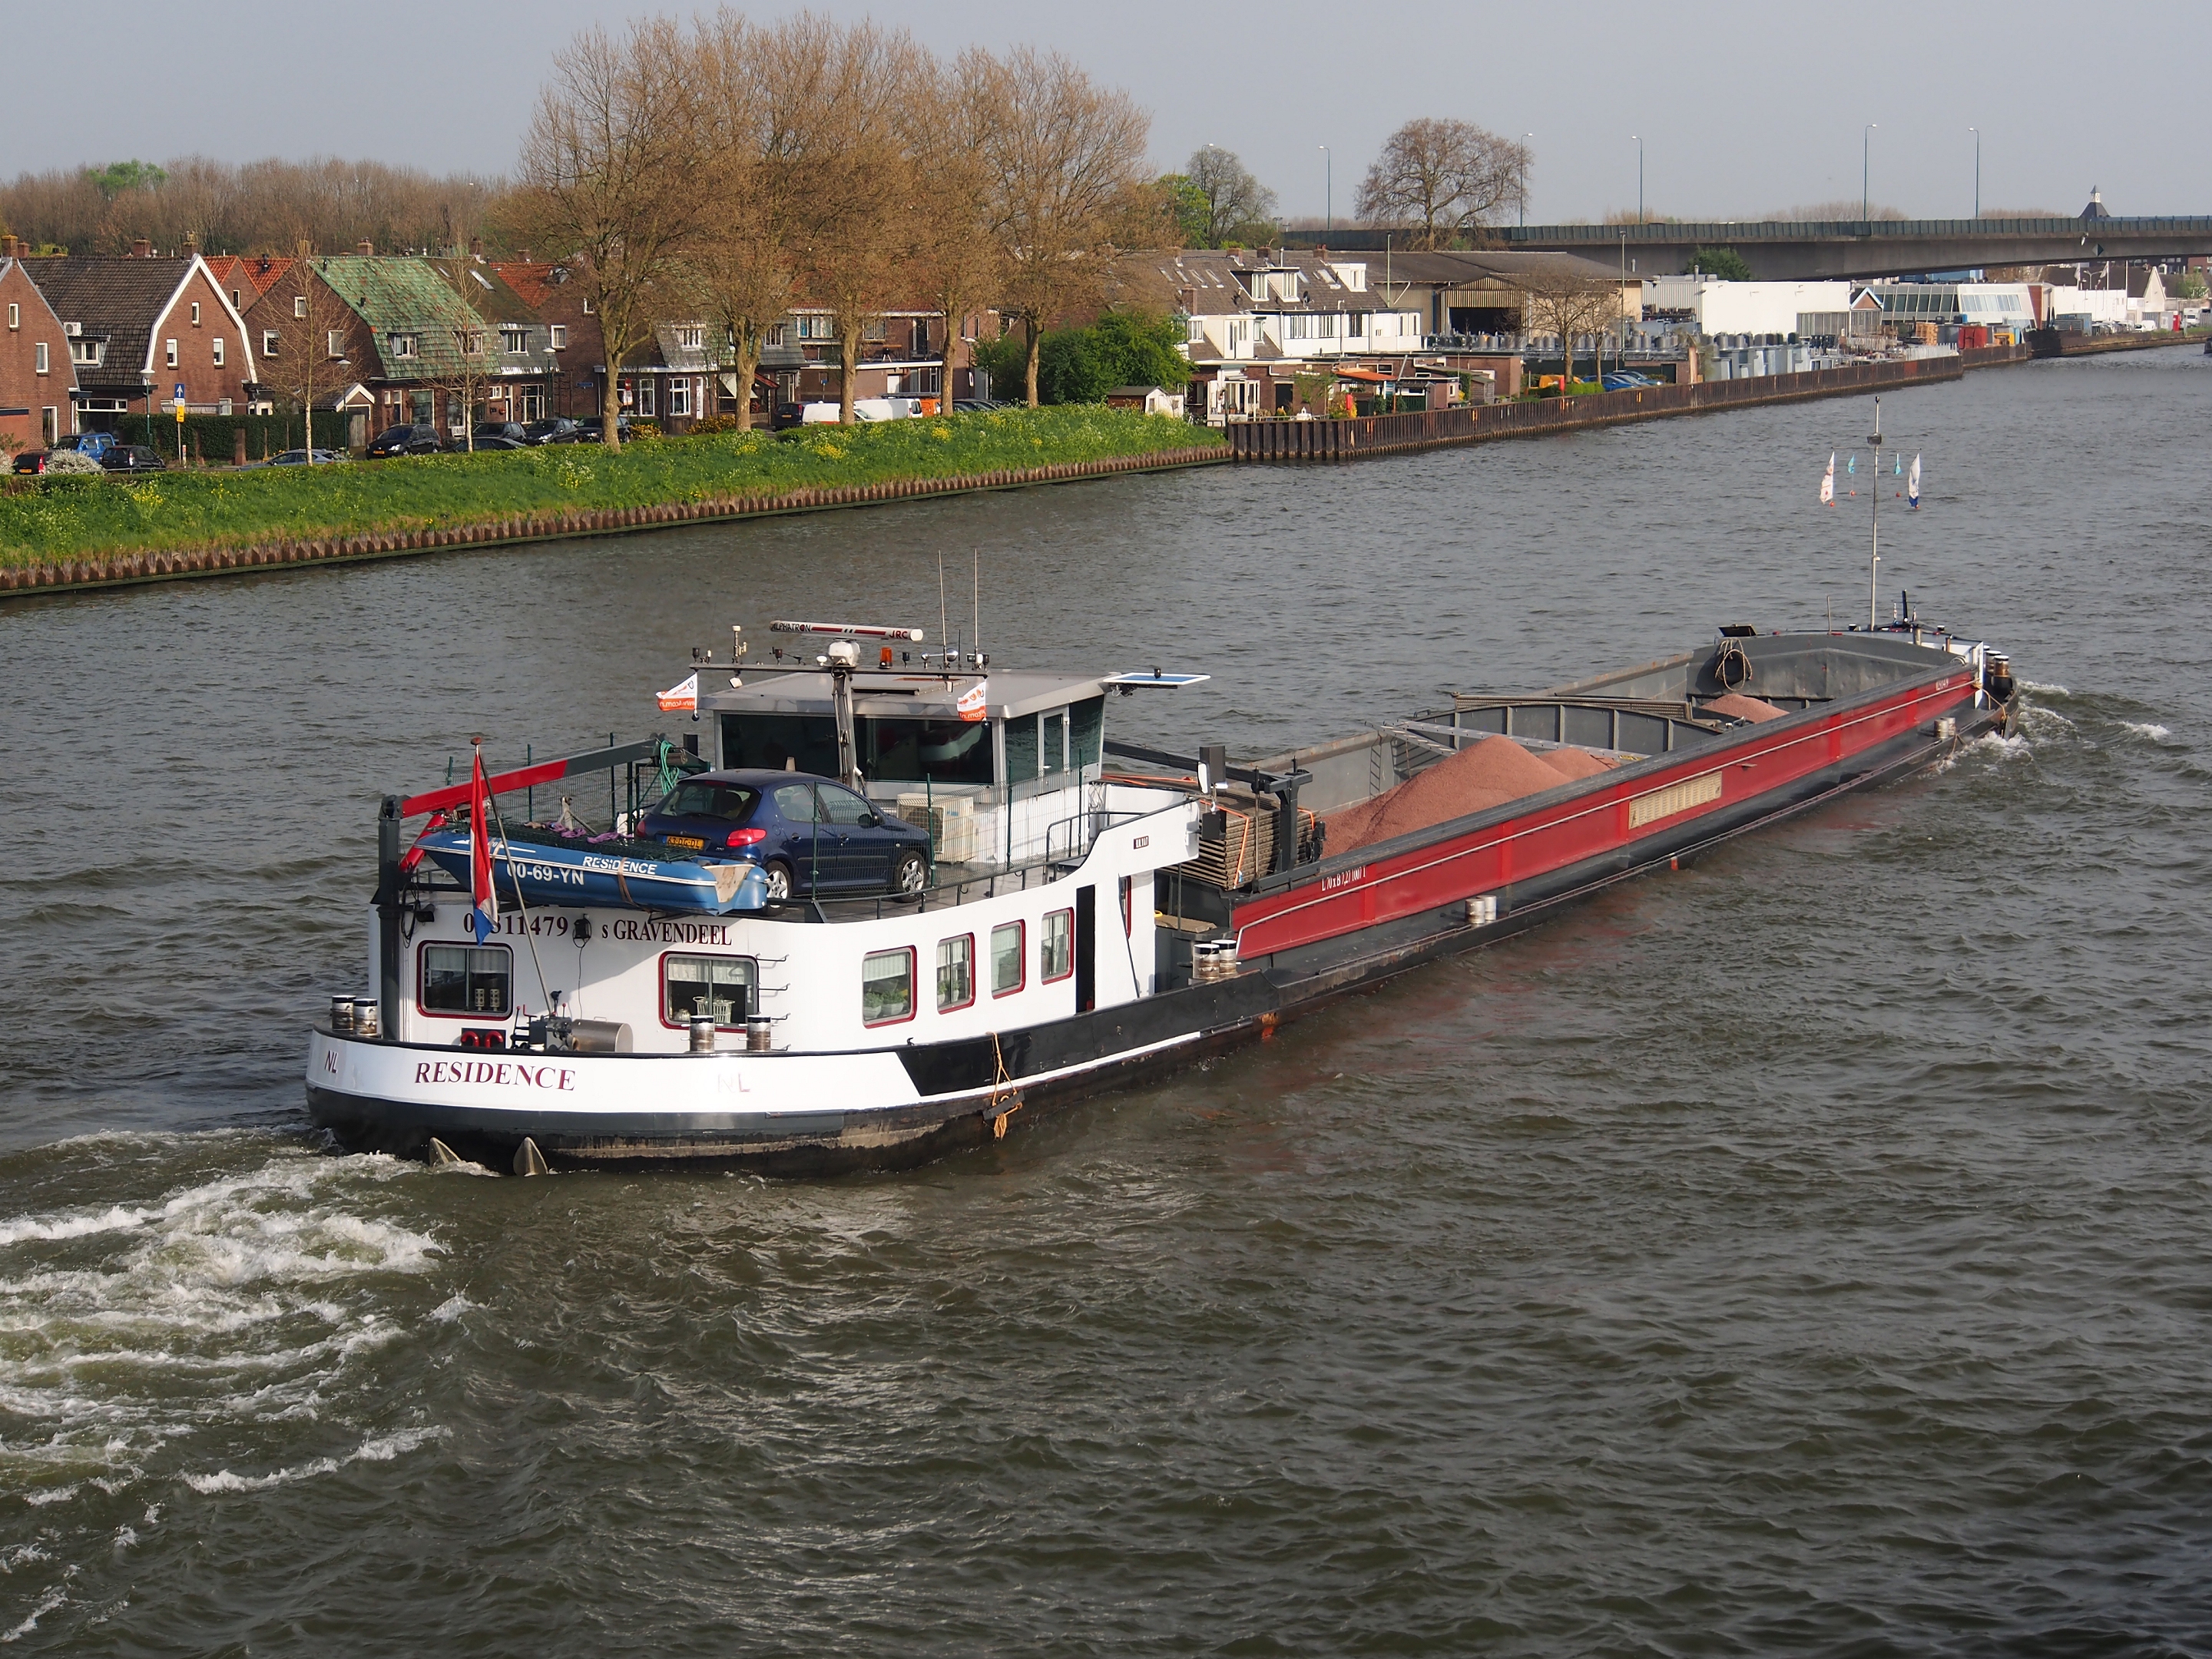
x,y
810,835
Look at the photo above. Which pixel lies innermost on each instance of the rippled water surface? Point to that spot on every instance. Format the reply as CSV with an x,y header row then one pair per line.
x,y
1802,1253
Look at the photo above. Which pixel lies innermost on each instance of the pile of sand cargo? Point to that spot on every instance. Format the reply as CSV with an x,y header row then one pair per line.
x,y
1492,773
1744,708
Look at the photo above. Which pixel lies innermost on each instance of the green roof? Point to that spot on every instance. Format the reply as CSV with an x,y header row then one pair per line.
x,y
400,294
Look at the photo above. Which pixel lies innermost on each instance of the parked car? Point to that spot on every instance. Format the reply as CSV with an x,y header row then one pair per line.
x,y
406,440
550,430
485,442
975,405
91,444
132,457
510,430
809,835
592,430
299,457
1627,379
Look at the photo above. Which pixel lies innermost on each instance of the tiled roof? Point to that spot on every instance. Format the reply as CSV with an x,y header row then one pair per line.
x,y
252,274
533,281
117,299
403,296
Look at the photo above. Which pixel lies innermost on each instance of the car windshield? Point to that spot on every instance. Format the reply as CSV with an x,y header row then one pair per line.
x,y
698,798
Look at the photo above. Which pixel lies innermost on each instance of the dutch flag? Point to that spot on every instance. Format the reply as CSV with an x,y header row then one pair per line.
x,y
482,898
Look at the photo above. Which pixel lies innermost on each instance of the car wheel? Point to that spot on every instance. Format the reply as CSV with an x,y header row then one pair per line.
x,y
778,875
909,875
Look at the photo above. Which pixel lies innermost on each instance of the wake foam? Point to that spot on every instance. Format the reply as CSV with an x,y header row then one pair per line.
x,y
382,1449
242,1298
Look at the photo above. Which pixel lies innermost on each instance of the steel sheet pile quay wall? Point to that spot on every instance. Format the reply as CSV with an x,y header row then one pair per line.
x,y
1384,434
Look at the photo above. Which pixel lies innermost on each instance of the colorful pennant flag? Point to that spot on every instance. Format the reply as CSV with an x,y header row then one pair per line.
x,y
1828,481
684,694
1912,485
975,701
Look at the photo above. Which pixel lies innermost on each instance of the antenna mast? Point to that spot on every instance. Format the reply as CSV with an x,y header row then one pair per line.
x,y
1873,576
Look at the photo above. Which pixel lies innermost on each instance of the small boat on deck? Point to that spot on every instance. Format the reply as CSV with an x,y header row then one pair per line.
x,y
818,1035
545,869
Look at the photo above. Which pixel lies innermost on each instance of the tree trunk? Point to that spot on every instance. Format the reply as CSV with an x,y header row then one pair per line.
x,y
748,353
945,355
848,367
1036,350
611,406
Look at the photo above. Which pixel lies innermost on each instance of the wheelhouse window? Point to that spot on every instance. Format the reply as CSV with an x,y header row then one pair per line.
x,y
915,751
1009,959
955,972
467,979
724,986
886,987
807,742
1056,949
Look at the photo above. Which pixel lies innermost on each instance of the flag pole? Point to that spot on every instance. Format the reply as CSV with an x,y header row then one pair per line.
x,y
1874,575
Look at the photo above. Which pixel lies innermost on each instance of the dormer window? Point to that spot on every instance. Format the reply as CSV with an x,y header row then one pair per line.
x,y
404,345
691,339
513,341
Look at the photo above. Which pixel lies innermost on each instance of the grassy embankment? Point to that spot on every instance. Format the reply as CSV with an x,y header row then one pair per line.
x,y
70,519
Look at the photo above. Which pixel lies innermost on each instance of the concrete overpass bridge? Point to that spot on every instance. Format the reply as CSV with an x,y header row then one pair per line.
x,y
1785,251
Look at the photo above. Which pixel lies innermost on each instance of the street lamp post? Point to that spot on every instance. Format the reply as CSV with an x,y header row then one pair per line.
x,y
1977,131
1329,191
1866,171
1639,178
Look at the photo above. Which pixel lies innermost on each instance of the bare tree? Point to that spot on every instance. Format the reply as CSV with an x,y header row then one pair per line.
x,y
611,179
1570,302
1066,162
741,266
856,236
1235,201
311,322
466,371
948,130
1442,179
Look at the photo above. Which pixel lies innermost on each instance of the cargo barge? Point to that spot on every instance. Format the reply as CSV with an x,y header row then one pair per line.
x,y
847,1022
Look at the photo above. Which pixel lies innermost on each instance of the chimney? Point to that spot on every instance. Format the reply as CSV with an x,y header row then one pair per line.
x,y
365,247
524,255
191,242
8,247
476,249
142,249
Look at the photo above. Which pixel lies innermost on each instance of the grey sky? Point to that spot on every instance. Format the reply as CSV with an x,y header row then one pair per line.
x,y
1743,107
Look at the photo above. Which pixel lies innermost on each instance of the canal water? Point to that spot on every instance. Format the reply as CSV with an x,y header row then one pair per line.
x,y
1801,1253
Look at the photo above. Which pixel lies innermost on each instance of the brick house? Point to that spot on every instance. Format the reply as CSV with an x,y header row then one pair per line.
x,y
571,344
394,344
139,327
38,381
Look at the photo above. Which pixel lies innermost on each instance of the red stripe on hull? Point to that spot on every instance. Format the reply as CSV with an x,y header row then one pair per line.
x,y
1746,766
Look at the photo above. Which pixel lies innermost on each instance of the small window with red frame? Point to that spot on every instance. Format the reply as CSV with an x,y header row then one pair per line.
x,y
1056,949
886,987
1009,959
